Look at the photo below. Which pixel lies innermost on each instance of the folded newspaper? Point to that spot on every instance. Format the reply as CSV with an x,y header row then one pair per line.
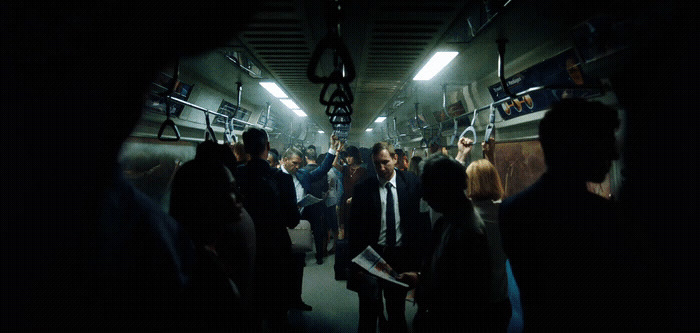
x,y
370,260
308,200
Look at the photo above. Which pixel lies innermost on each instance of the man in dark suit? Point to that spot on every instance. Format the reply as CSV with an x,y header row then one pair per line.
x,y
270,200
385,215
315,213
559,237
302,182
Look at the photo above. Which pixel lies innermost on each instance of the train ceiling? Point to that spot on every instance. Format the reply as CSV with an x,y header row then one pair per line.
x,y
388,41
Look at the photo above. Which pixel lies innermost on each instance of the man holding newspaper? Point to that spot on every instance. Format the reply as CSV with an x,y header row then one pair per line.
x,y
385,215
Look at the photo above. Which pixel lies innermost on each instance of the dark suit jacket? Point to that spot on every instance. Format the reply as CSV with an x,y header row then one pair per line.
x,y
271,216
364,225
306,177
270,199
454,285
560,244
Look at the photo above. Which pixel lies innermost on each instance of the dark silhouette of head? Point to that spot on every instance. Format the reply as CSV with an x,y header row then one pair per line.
x,y
273,157
402,163
578,139
354,152
204,199
310,154
444,180
212,151
256,142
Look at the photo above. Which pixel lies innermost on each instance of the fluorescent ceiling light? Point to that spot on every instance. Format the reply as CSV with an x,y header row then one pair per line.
x,y
321,132
380,119
368,130
290,103
299,113
274,89
435,65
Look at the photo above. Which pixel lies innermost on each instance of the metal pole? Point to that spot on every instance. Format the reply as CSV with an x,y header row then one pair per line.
x,y
177,100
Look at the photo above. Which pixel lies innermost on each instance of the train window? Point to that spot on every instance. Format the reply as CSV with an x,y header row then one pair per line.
x,y
232,111
155,101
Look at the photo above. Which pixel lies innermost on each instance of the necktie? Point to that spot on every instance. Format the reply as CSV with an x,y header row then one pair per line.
x,y
390,218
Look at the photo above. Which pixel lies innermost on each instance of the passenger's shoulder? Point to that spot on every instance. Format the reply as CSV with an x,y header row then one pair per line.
x,y
367,181
407,175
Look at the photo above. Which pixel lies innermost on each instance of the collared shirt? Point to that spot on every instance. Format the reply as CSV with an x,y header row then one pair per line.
x,y
297,186
382,198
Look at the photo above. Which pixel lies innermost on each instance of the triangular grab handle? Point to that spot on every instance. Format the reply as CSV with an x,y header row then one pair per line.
x,y
166,123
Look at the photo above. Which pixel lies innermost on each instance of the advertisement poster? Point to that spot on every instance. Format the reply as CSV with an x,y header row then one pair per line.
x,y
521,163
563,70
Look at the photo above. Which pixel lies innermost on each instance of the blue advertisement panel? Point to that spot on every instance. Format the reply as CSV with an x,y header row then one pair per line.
x,y
562,70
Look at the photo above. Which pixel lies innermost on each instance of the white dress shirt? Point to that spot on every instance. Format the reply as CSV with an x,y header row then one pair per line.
x,y
297,187
382,198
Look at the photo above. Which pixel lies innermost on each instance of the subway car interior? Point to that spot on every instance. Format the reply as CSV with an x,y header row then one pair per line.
x,y
97,91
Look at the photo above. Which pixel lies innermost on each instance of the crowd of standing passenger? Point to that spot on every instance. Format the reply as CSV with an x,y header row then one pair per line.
x,y
452,254
84,250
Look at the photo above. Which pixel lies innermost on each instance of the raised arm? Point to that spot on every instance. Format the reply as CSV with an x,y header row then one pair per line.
x,y
336,160
464,147
327,163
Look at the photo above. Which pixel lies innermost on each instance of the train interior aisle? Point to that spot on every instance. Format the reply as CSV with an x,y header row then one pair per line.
x,y
96,90
334,306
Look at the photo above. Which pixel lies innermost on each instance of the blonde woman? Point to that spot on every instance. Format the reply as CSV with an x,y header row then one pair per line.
x,y
485,190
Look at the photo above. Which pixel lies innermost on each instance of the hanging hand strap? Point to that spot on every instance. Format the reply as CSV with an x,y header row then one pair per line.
x,y
454,133
228,133
470,128
209,134
341,96
491,125
166,123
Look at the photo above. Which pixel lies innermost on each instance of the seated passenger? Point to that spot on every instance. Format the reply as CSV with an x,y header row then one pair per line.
x,y
204,201
453,285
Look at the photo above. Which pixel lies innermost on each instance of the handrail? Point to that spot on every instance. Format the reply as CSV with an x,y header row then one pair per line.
x,y
194,106
601,87
534,89
207,112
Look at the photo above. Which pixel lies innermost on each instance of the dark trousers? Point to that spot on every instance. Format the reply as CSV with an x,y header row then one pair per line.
x,y
371,305
298,276
315,214
499,315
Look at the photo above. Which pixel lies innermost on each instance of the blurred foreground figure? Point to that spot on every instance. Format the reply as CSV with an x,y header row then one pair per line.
x,y
559,237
